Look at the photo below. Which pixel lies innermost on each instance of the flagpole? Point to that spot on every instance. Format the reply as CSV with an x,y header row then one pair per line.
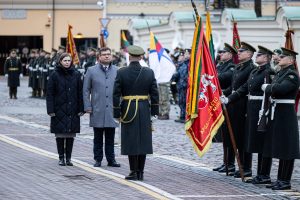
x,y
227,120
237,156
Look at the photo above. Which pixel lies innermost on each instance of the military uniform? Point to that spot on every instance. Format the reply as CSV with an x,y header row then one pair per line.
x,y
13,68
253,139
91,60
136,85
237,110
282,137
225,72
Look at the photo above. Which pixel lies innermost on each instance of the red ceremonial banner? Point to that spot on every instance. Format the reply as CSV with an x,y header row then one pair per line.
x,y
203,123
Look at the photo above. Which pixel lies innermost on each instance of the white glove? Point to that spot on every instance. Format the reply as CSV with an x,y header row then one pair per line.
x,y
264,86
224,99
80,114
153,118
6,75
21,75
52,114
117,120
260,113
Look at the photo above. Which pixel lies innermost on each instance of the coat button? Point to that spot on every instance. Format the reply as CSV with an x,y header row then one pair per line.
x,y
106,96
106,86
106,106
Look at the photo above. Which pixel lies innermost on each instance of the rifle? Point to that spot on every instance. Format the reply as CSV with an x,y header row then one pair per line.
x,y
263,119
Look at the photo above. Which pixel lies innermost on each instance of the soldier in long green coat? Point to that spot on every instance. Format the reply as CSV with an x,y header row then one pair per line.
x,y
13,71
135,100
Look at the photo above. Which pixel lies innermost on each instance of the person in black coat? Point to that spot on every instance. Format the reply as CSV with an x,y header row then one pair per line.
x,y
237,110
13,72
225,70
282,137
135,85
65,106
253,139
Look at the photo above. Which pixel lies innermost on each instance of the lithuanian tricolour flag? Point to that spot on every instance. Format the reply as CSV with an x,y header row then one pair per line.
x,y
209,37
203,107
71,47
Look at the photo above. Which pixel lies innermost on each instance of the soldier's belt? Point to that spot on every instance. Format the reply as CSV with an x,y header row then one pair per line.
x,y
45,70
51,68
274,102
30,68
34,70
130,99
13,69
251,97
137,97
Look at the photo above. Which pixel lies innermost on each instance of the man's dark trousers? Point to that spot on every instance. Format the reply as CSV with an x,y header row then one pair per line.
x,y
109,144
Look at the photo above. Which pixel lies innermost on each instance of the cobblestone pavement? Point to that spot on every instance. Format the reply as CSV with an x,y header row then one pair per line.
x,y
174,168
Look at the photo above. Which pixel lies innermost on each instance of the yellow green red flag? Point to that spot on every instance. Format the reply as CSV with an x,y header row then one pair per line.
x,y
71,47
204,113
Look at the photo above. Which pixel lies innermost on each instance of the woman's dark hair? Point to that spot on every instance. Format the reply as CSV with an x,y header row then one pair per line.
x,y
63,55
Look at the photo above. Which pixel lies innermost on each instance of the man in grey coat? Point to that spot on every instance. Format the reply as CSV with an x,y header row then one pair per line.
x,y
97,96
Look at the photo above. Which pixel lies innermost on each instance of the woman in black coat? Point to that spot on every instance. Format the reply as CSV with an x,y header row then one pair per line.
x,y
65,106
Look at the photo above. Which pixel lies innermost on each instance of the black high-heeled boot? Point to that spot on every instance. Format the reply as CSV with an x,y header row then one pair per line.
x,y
60,150
69,148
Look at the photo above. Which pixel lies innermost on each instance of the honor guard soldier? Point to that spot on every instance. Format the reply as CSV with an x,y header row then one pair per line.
x,y
237,110
91,58
30,67
13,72
254,137
52,61
42,72
137,87
82,60
225,70
282,137
35,76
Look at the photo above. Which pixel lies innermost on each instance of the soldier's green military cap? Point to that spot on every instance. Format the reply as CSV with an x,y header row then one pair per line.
x,y
277,51
82,52
228,48
288,52
135,50
53,50
264,50
92,49
61,47
15,50
246,46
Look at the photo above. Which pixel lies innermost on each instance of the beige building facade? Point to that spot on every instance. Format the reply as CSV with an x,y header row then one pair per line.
x,y
49,19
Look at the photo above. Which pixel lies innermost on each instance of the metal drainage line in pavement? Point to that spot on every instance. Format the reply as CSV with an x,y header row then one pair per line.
x,y
143,187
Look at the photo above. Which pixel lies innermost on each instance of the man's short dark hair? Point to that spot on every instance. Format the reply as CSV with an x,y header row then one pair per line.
x,y
104,49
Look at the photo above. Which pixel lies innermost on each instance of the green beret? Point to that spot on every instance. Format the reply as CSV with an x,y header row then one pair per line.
x,y
135,50
247,46
288,52
264,50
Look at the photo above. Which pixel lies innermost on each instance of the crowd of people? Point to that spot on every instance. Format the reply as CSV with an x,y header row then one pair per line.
x,y
259,96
